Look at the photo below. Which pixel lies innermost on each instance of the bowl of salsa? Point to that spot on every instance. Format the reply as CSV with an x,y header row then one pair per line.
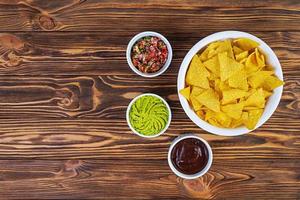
x,y
149,54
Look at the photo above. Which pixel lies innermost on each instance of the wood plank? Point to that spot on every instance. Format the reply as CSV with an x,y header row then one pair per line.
x,y
112,139
102,97
115,16
147,179
103,53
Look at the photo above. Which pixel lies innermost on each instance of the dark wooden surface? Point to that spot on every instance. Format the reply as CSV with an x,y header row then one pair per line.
x,y
65,86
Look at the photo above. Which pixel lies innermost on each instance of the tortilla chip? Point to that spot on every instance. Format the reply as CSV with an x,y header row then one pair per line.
x,y
228,66
233,110
225,46
209,115
236,50
245,43
267,94
212,46
219,119
213,65
236,123
209,99
271,83
241,56
197,74
260,58
243,61
253,118
258,78
251,64
231,95
239,80
196,91
196,104
186,92
200,113
257,99
223,119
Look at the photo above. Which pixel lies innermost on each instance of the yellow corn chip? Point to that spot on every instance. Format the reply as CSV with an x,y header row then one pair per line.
x,y
236,50
196,105
209,99
231,95
200,113
243,61
196,91
214,122
203,56
245,116
225,46
209,115
197,74
224,86
251,64
257,79
223,119
241,56
239,80
236,123
253,118
212,46
257,99
245,44
213,65
233,110
186,92
267,94
272,82
228,66
260,58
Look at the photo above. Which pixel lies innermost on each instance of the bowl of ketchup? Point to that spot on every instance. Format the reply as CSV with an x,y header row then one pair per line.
x,y
190,156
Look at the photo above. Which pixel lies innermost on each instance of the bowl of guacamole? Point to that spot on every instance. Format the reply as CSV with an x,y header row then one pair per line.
x,y
148,115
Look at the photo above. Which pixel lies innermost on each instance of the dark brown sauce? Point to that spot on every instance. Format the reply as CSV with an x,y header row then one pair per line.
x,y
189,156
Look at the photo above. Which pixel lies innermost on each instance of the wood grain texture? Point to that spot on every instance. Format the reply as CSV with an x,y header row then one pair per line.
x,y
115,16
65,86
73,53
151,179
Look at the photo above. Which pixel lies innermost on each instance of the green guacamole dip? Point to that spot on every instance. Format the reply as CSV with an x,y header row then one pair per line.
x,y
148,115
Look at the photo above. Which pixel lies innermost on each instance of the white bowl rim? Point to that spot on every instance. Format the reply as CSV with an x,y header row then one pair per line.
x,y
145,34
128,111
203,171
271,58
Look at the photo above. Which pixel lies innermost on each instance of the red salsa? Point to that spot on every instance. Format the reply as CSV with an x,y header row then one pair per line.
x,y
149,54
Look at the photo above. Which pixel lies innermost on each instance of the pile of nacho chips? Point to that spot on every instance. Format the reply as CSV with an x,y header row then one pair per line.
x,y
229,82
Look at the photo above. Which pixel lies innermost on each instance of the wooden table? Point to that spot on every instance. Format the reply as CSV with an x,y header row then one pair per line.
x,y
65,86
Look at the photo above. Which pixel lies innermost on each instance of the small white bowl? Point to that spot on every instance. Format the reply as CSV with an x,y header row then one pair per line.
x,y
202,172
128,111
134,40
271,104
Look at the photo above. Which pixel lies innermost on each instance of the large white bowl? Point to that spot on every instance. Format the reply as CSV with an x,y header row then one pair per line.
x,y
273,100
